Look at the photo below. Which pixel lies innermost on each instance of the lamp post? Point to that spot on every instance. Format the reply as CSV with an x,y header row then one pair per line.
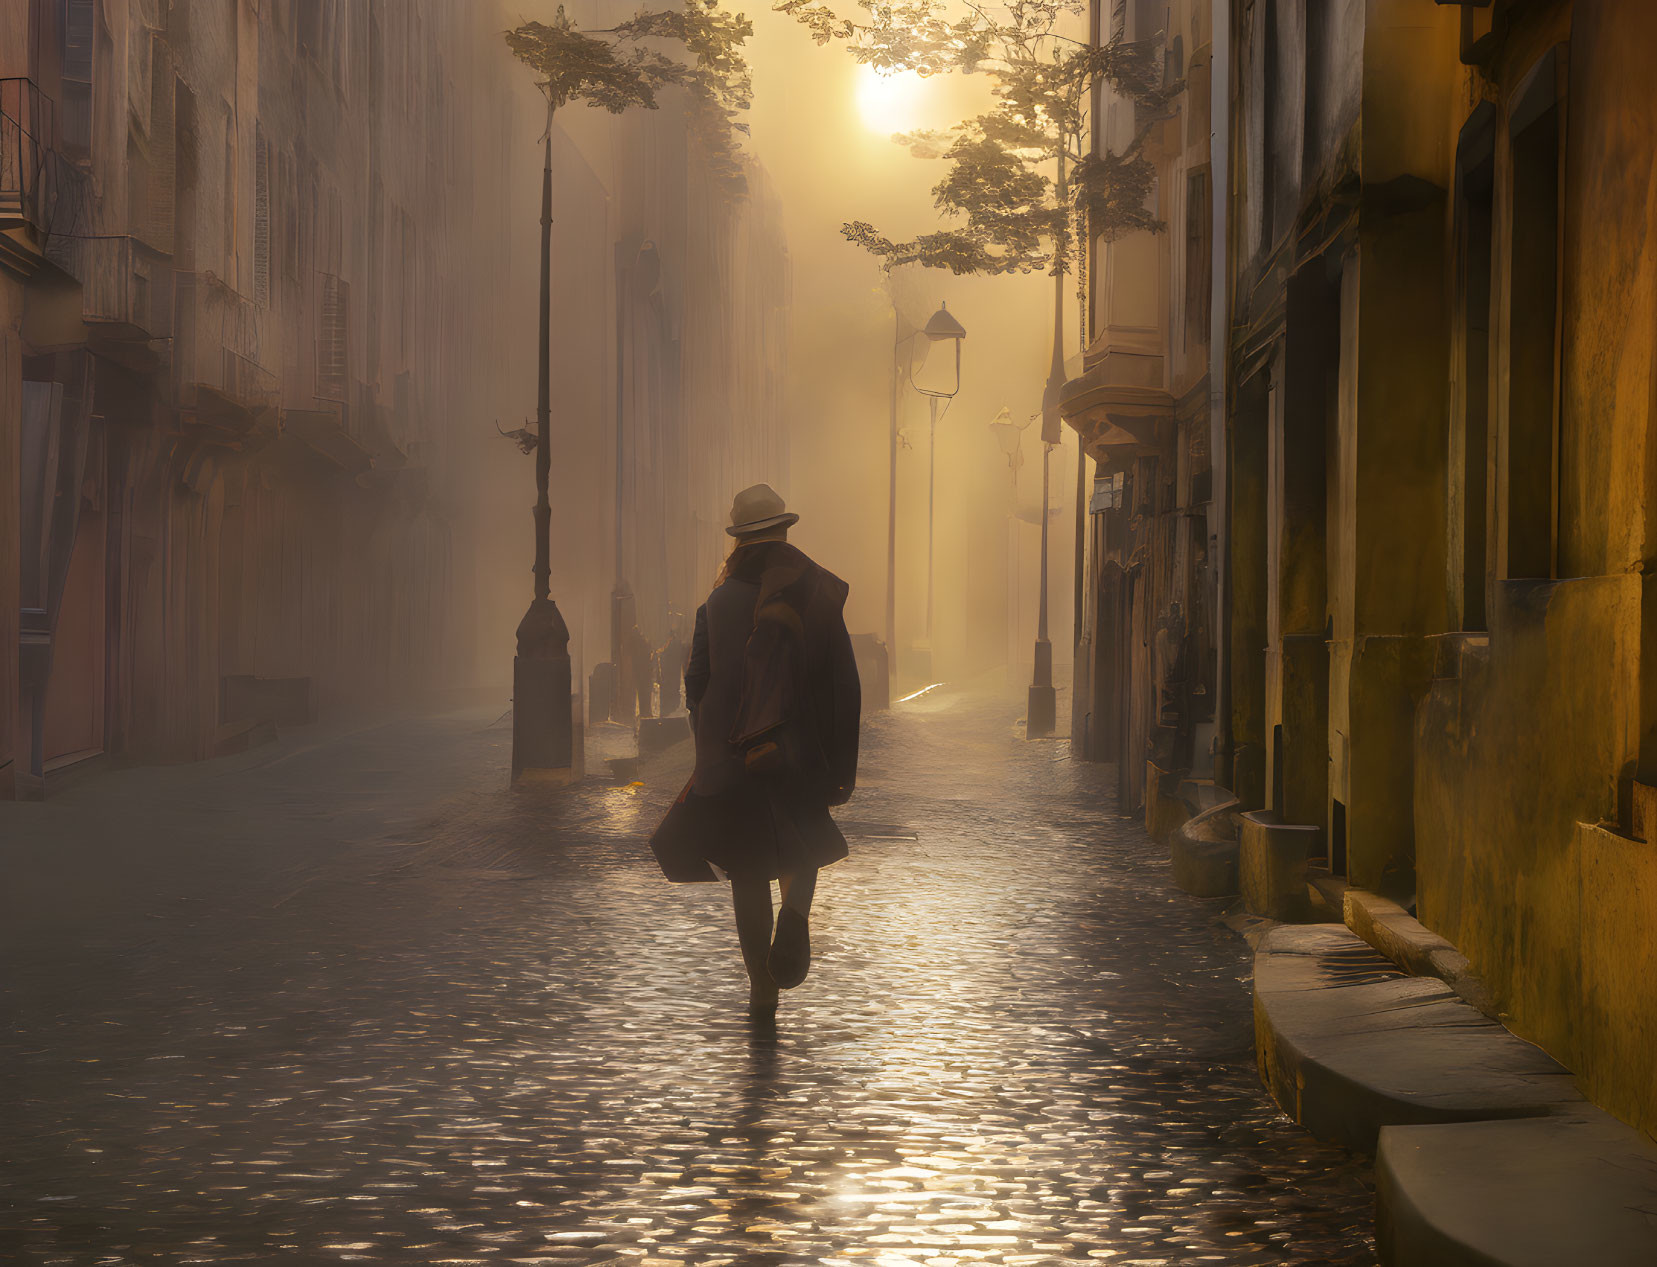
x,y
1041,712
898,340
1009,435
541,722
936,378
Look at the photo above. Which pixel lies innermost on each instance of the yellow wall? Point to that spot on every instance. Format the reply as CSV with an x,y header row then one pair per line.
x,y
1610,276
1519,746
1526,746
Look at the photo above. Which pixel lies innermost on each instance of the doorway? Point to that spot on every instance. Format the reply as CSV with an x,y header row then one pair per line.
x,y
75,688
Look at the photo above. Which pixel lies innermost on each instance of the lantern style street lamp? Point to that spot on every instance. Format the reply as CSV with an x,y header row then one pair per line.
x,y
1010,436
935,372
542,739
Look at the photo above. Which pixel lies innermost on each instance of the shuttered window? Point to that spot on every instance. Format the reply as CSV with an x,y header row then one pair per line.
x,y
77,77
261,219
333,319
1198,257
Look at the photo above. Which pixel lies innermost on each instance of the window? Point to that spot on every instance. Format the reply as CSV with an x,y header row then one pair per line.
x,y
159,214
76,128
1532,450
287,189
1107,493
229,208
333,313
261,218
1198,259
1470,423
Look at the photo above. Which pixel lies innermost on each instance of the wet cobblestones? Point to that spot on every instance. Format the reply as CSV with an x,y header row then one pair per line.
x,y
483,1030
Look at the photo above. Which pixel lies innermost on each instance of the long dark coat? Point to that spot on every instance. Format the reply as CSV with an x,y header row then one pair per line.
x,y
773,607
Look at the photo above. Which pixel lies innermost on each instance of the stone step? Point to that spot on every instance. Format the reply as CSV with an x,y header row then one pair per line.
x,y
1537,1192
1201,795
1326,894
1412,946
1326,888
1347,1044
658,734
1271,865
1204,852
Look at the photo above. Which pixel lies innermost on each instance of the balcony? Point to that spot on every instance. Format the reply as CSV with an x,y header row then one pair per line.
x,y
126,288
41,192
26,118
218,357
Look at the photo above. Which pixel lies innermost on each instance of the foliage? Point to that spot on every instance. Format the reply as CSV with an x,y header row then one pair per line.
x,y
1008,215
625,66
906,36
1111,190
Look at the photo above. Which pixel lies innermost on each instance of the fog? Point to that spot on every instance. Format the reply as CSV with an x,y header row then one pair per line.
x,y
779,369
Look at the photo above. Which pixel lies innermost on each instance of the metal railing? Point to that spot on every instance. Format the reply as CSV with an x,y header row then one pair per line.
x,y
26,127
218,341
39,187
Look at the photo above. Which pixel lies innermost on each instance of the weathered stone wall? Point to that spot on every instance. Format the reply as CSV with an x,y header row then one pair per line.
x,y
1150,633
1517,742
284,260
1488,771
1528,744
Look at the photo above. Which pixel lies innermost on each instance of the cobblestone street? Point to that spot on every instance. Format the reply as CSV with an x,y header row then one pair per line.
x,y
348,999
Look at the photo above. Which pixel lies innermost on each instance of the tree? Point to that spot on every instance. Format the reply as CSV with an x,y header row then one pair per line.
x,y
1009,215
615,69
624,66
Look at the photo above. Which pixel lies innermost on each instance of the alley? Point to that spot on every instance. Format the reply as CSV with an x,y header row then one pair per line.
x,y
347,999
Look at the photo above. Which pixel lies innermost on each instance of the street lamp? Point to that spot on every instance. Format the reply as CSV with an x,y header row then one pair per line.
x,y
935,372
541,723
1010,436
1041,711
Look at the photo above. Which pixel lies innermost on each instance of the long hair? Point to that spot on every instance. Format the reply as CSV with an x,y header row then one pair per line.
x,y
768,534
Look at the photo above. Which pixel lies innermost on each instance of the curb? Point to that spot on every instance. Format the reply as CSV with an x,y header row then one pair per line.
x,y
1204,852
1347,1044
1415,948
1536,1192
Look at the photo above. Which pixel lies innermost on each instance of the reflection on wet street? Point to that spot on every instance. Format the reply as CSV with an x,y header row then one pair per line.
x,y
450,1025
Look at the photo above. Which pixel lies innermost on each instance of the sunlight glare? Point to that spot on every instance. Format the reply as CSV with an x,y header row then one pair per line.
x,y
917,694
890,102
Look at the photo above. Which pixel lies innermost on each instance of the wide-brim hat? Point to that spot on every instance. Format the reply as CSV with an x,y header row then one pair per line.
x,y
758,508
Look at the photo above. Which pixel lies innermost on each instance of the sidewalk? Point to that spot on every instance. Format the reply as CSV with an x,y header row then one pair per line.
x,y
1377,1034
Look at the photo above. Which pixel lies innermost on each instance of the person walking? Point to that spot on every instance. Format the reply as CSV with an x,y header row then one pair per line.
x,y
774,700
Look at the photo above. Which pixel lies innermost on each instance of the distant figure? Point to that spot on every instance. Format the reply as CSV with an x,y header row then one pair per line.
x,y
773,694
670,661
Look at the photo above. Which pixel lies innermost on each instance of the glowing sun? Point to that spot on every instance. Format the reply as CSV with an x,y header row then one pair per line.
x,y
890,102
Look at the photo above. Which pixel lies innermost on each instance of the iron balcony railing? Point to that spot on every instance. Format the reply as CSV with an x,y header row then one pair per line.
x,y
25,144
39,187
219,342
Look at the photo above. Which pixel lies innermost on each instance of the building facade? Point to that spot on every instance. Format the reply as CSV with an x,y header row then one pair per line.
x,y
245,286
671,280
1440,456
701,289
1146,658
